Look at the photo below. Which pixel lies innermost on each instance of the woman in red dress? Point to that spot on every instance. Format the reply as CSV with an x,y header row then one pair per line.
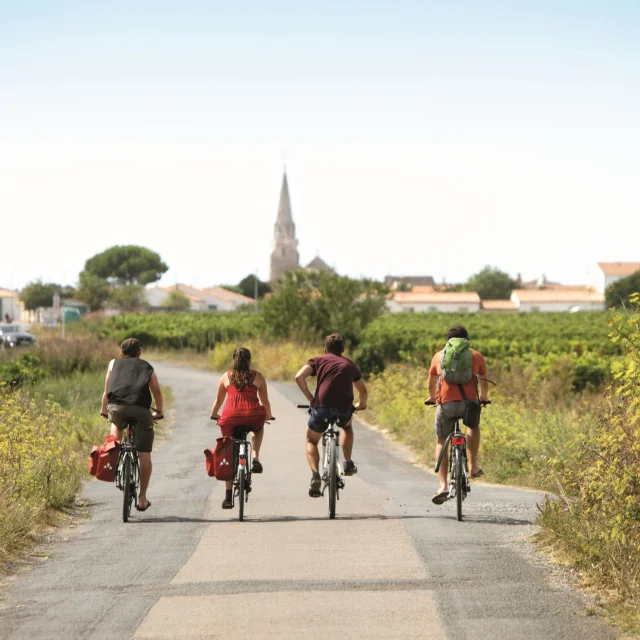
x,y
247,405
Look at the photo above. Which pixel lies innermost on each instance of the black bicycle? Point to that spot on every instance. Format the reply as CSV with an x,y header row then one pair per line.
x,y
241,467
127,477
459,485
331,471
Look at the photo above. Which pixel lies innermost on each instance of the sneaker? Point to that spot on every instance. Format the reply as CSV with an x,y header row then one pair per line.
x,y
349,469
256,466
314,488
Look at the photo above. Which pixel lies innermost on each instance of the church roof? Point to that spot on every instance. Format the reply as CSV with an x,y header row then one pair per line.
x,y
284,209
318,264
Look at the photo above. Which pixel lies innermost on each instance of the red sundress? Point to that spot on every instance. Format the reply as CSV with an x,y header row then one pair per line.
x,y
242,408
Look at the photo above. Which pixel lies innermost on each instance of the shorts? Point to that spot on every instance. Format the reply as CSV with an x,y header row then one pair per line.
x,y
228,423
319,418
142,429
446,416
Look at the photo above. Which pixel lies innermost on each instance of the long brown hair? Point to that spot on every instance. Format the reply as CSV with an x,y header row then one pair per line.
x,y
240,376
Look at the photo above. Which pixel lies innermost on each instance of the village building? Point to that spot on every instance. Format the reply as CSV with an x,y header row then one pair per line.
x,y
421,299
606,273
209,299
558,299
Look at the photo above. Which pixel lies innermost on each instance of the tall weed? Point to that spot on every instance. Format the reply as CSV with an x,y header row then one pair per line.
x,y
596,517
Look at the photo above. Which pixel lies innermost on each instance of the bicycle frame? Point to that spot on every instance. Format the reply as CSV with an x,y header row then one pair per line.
x,y
331,438
128,451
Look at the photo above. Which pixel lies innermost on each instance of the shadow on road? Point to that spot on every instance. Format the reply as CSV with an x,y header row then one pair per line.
x,y
260,519
500,520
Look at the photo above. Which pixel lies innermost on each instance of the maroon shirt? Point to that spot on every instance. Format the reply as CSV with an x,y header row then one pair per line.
x,y
336,375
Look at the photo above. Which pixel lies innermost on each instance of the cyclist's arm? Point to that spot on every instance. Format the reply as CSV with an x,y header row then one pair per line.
x,y
156,392
105,399
261,384
221,395
301,380
433,387
484,390
363,394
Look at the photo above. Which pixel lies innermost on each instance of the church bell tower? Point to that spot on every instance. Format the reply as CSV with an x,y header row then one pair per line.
x,y
284,256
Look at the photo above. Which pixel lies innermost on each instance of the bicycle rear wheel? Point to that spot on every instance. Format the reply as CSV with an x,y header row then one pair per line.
x,y
459,482
126,488
333,479
241,495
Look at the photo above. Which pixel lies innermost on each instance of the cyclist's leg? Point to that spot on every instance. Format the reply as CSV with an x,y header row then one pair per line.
x,y
313,457
473,446
346,442
143,436
256,442
115,417
444,424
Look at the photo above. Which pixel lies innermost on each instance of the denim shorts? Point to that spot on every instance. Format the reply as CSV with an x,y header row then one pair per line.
x,y
319,418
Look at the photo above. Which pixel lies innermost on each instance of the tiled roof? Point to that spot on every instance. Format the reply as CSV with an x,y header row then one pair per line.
x,y
437,297
619,268
184,293
225,294
499,305
558,295
7,293
318,264
413,280
422,289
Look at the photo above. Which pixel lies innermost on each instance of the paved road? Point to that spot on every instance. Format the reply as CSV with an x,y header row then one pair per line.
x,y
392,565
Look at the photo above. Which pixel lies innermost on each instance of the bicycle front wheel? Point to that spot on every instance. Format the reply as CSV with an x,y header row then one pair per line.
x,y
241,495
459,482
126,488
333,479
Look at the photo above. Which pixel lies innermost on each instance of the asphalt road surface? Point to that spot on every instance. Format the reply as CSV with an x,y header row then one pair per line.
x,y
392,565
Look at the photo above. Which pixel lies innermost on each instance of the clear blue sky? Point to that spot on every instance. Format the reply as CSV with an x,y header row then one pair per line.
x,y
510,126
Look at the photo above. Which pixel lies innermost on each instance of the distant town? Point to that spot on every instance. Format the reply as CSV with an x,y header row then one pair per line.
x,y
408,293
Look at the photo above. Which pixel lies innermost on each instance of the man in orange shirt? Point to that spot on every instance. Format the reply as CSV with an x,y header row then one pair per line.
x,y
451,408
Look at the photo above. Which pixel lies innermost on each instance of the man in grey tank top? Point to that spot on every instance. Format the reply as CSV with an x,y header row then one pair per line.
x,y
128,388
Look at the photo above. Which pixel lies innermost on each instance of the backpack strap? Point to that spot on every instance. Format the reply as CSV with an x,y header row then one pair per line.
x,y
462,393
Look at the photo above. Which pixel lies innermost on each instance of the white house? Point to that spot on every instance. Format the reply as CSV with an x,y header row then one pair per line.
x,y
10,305
211,299
606,273
563,299
426,299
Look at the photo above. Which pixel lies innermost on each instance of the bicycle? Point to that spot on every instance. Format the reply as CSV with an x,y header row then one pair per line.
x,y
459,485
331,471
127,477
241,467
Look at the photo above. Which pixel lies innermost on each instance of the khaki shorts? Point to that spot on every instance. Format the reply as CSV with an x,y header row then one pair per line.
x,y
446,416
143,433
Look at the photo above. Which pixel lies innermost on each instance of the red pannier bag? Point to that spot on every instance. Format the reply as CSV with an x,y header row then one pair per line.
x,y
103,462
219,463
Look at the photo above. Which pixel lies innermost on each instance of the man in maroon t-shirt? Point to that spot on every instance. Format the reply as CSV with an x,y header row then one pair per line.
x,y
336,376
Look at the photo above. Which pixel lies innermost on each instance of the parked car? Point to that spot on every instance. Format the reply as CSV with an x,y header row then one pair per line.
x,y
11,335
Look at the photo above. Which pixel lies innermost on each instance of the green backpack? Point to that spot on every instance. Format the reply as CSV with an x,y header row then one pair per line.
x,y
455,361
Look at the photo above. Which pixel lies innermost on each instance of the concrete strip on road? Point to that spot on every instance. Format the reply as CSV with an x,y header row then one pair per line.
x,y
308,615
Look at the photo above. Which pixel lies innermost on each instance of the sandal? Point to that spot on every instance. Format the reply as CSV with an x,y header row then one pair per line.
x,y
440,497
256,466
477,474
227,504
139,508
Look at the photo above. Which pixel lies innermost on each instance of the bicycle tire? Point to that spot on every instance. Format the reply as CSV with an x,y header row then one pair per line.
x,y
241,496
459,483
126,489
333,479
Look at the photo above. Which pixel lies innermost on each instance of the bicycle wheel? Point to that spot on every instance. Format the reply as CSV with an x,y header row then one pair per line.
x,y
333,479
459,482
241,496
126,488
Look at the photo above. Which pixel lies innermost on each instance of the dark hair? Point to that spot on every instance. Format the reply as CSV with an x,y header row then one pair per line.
x,y
130,348
334,344
240,376
457,331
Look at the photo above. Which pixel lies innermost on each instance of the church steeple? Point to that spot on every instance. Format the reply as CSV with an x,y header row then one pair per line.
x,y
285,246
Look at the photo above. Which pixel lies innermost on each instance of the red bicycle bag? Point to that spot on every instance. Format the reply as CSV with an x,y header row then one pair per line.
x,y
93,460
108,459
220,462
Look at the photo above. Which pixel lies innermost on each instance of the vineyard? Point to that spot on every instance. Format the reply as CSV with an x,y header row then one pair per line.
x,y
579,338
175,330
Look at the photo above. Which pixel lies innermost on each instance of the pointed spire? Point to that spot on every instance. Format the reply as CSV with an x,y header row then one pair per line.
x,y
284,210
